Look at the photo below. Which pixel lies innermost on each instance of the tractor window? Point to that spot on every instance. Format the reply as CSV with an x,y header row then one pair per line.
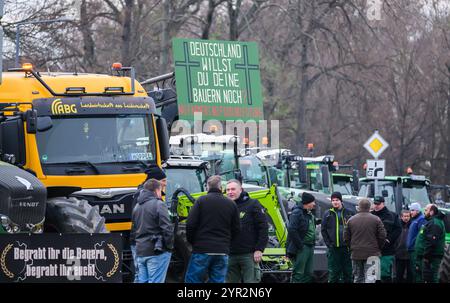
x,y
191,179
389,200
252,171
343,187
97,140
415,192
364,190
315,175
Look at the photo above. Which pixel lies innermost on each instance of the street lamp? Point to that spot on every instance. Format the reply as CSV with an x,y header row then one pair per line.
x,y
18,25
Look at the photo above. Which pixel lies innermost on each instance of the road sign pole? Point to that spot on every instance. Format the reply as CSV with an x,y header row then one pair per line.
x,y
375,190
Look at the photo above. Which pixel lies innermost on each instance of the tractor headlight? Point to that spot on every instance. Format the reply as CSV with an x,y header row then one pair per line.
x,y
36,228
9,226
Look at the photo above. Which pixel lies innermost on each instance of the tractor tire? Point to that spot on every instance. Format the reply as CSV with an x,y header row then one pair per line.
x,y
445,266
72,215
181,255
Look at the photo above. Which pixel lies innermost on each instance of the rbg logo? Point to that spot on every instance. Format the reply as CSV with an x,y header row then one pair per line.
x,y
374,10
373,273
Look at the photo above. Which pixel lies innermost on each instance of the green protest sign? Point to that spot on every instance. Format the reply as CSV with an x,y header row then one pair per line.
x,y
220,79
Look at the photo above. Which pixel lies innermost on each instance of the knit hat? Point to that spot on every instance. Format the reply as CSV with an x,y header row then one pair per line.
x,y
307,198
155,172
336,195
415,206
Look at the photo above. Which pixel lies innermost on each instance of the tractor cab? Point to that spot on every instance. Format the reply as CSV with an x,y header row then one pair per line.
x,y
398,191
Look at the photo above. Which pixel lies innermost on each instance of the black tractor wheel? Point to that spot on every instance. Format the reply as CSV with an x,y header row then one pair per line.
x,y
72,215
180,258
445,266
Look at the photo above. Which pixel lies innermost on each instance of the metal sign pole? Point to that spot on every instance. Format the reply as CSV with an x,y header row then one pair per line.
x,y
375,190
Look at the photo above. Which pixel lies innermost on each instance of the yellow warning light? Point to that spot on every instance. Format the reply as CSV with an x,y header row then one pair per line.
x,y
27,66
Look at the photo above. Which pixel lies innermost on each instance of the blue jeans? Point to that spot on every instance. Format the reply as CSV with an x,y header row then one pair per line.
x,y
135,262
201,265
153,269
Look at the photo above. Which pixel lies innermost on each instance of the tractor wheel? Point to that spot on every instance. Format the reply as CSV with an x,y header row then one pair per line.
x,y
445,266
72,215
180,258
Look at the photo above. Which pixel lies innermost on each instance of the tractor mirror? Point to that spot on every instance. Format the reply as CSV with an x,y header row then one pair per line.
x,y
325,176
31,118
355,181
163,138
44,123
302,173
384,193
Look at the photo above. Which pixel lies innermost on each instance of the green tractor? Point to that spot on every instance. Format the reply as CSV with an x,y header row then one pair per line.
x,y
345,183
194,158
399,192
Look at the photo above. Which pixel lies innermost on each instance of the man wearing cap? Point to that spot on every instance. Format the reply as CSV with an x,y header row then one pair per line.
x,y
365,235
393,228
301,239
334,221
417,220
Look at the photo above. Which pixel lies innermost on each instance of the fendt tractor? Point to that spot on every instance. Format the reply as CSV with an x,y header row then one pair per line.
x,y
399,192
88,138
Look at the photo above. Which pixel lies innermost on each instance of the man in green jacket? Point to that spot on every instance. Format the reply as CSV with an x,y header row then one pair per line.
x,y
333,223
430,245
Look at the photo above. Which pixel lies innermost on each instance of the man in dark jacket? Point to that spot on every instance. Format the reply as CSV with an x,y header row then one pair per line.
x,y
401,255
301,239
333,223
153,234
393,228
212,224
248,246
430,245
365,234
153,172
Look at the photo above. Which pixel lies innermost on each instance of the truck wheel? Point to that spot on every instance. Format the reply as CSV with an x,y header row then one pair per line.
x,y
445,266
72,215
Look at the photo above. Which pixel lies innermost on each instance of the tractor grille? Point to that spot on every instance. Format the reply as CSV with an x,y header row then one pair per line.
x,y
23,196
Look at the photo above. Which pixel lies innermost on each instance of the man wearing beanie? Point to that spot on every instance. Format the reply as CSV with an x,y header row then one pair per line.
x,y
393,227
334,221
301,239
417,220
153,172
365,235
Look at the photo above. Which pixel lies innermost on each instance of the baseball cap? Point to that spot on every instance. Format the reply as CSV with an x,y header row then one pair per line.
x,y
378,200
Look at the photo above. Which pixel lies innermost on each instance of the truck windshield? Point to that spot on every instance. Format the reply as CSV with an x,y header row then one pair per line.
x,y
191,179
97,139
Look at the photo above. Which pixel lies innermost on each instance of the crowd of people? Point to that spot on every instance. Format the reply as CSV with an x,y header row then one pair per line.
x,y
367,246
228,234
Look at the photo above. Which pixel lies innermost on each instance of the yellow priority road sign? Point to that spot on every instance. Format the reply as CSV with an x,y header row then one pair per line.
x,y
376,145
